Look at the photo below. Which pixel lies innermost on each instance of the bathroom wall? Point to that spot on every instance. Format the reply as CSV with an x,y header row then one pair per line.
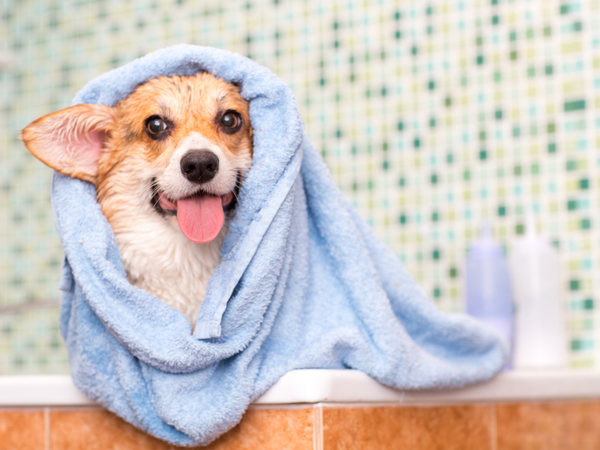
x,y
431,116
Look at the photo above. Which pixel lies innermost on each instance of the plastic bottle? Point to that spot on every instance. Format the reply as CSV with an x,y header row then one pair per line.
x,y
487,285
540,334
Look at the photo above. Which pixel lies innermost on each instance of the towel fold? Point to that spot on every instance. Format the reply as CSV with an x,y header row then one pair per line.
x,y
303,283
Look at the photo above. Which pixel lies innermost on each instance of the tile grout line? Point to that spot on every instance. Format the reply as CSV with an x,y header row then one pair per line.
x,y
318,427
47,428
493,430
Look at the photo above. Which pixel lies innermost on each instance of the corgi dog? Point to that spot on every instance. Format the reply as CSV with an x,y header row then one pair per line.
x,y
167,163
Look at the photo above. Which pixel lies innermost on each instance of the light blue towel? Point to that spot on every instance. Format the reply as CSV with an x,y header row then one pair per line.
x,y
303,283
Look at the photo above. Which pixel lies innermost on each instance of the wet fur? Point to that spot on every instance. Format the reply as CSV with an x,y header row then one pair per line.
x,y
110,148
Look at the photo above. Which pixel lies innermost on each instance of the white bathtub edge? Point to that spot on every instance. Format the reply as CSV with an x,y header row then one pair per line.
x,y
339,386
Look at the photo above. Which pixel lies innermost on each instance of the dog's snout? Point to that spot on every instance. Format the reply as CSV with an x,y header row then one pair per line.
x,y
199,166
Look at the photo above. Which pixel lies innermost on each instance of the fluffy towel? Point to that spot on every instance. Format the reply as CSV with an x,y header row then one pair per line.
x,y
303,283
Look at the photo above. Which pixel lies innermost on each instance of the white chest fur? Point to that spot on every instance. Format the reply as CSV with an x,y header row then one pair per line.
x,y
159,259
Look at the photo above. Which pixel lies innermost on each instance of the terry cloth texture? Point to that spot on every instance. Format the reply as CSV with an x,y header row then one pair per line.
x,y
303,283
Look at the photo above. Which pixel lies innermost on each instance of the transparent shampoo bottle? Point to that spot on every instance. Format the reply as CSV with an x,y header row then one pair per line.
x,y
487,285
540,334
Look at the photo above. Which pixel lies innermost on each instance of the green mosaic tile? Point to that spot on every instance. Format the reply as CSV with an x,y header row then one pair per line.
x,y
430,116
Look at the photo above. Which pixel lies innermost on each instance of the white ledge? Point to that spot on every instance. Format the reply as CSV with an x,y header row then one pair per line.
x,y
340,386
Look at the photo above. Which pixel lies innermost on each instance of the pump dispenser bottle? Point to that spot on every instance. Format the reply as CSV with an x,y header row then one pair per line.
x,y
540,334
487,284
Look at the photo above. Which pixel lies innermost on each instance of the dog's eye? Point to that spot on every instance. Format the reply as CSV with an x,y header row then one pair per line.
x,y
231,122
155,126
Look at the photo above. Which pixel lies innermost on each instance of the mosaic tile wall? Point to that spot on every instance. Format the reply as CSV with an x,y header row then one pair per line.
x,y
431,116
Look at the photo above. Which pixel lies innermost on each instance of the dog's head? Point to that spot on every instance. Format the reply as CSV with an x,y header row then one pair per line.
x,y
177,146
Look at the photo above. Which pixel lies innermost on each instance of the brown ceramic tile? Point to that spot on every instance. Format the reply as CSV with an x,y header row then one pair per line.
x,y
401,427
96,429
548,426
259,429
270,429
22,430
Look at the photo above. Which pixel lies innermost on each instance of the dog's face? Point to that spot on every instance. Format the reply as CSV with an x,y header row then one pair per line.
x,y
177,146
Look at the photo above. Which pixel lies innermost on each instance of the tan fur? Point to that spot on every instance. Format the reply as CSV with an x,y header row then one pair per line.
x,y
157,256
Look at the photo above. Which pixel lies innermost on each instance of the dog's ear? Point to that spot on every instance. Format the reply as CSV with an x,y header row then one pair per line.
x,y
71,140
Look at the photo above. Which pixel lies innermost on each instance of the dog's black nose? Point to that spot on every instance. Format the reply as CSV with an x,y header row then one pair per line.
x,y
199,166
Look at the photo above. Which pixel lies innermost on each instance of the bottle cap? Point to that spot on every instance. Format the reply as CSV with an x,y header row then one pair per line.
x,y
531,241
485,244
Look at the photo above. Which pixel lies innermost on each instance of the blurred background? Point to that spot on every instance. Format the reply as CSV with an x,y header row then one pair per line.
x,y
432,116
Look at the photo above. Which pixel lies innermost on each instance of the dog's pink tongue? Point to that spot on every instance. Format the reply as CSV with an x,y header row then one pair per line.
x,y
200,218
